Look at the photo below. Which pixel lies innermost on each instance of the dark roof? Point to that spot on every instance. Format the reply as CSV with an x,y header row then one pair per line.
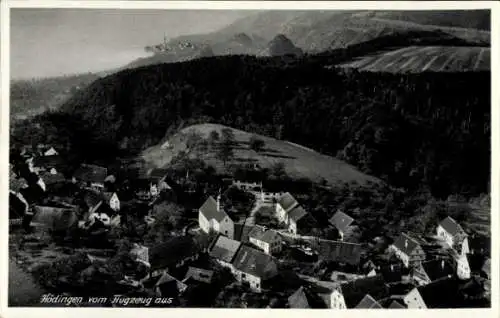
x,y
437,268
287,201
209,210
356,290
158,173
224,249
297,213
479,243
396,305
442,293
107,196
262,234
368,303
17,206
49,178
476,262
305,298
170,286
48,161
451,226
487,267
91,173
242,232
199,274
252,261
171,252
391,273
406,244
54,218
341,221
342,252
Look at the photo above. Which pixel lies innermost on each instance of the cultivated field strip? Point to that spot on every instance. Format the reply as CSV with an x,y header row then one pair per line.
x,y
425,58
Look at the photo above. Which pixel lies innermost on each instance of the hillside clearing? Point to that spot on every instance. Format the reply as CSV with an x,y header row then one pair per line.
x,y
425,58
299,161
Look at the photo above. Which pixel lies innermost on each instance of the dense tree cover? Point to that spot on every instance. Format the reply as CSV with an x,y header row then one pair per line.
x,y
428,130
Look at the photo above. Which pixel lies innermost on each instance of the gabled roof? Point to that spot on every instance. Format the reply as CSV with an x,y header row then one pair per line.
x,y
18,206
224,249
356,290
199,274
253,262
391,273
171,252
368,303
487,266
287,201
396,305
437,268
341,221
305,298
406,244
209,210
451,226
92,198
91,173
158,173
262,234
54,218
169,285
442,293
297,213
48,161
338,251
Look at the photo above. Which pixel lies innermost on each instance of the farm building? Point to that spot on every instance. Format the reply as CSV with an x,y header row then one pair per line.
x,y
408,250
267,240
253,267
341,222
91,176
53,219
442,293
453,234
430,271
224,250
349,295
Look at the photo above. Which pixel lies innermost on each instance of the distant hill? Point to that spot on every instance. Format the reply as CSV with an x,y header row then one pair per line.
x,y
317,31
281,45
299,161
31,97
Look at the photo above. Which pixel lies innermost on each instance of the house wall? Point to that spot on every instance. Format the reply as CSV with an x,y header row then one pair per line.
x,y
465,247
337,300
417,256
254,281
114,203
292,226
402,256
226,227
261,244
281,214
203,222
463,268
444,235
154,190
413,300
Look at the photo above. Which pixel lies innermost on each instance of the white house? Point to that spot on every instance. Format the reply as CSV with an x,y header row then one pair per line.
x,y
408,250
342,222
213,218
285,204
111,199
51,152
267,240
453,234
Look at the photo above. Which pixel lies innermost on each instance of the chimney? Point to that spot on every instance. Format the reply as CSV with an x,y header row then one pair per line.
x,y
442,264
392,267
406,243
218,202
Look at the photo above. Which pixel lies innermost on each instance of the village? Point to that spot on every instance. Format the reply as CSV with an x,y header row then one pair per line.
x,y
264,256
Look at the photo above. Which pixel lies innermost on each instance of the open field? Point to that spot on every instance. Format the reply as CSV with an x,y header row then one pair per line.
x,y
426,58
299,161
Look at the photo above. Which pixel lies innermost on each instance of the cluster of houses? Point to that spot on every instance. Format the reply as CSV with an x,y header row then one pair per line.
x,y
412,278
416,275
40,195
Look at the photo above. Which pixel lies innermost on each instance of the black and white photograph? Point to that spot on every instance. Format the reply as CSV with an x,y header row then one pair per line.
x,y
249,158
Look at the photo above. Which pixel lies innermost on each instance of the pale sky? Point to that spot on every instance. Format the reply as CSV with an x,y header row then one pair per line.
x,y
50,42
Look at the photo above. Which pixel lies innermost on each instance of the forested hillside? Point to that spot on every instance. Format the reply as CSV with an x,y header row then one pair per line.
x,y
427,130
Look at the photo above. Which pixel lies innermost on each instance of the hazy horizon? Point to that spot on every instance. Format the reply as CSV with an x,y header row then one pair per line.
x,y
55,42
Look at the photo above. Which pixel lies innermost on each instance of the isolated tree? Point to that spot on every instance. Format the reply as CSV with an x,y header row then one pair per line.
x,y
227,136
214,137
225,152
256,144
